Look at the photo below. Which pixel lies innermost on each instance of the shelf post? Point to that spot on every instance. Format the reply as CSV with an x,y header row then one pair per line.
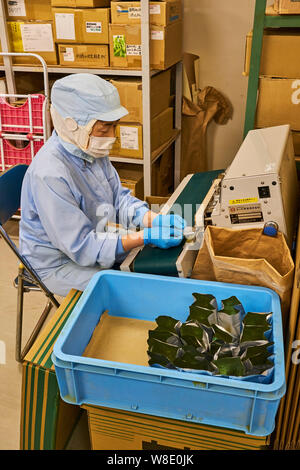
x,y
178,118
145,40
5,46
253,80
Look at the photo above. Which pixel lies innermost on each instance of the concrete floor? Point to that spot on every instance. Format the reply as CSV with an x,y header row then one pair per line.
x,y
10,370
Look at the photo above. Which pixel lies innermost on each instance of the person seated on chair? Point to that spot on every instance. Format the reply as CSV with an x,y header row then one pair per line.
x,y
71,191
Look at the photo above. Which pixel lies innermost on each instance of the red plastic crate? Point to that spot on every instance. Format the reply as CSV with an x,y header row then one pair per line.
x,y
14,155
12,116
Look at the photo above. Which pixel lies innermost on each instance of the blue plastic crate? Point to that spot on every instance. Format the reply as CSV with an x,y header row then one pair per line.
x,y
218,401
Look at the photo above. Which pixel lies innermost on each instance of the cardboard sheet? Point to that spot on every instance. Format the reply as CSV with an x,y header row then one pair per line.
x,y
120,339
191,76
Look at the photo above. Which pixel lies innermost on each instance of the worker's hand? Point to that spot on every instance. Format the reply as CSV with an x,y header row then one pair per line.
x,y
163,236
172,220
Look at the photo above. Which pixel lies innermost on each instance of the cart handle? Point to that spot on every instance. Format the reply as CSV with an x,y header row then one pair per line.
x,y
44,65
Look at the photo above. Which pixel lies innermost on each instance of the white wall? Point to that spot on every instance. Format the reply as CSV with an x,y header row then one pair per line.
x,y
216,31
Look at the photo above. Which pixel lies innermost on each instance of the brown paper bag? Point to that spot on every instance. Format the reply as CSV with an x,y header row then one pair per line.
x,y
195,119
246,256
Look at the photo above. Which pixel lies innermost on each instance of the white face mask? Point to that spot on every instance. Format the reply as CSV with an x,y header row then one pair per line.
x,y
71,132
100,146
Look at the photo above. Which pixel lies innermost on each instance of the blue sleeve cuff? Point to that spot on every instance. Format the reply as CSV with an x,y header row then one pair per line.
x,y
139,216
119,248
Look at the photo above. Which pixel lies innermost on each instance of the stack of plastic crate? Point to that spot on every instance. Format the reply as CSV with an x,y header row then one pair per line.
x,y
22,128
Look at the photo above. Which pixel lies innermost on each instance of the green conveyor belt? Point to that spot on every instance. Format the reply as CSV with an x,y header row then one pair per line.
x,y
152,260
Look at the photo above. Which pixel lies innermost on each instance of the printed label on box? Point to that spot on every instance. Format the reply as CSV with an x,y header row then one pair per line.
x,y
134,12
119,45
68,55
133,49
157,35
16,36
37,37
93,27
65,26
90,56
129,138
16,8
154,10
121,10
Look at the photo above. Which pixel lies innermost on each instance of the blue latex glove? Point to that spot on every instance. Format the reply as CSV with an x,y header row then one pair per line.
x,y
170,220
163,237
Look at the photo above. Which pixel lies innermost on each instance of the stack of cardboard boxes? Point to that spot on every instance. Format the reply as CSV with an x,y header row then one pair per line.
x,y
165,34
125,52
129,131
287,7
30,29
67,32
103,36
81,32
94,33
279,84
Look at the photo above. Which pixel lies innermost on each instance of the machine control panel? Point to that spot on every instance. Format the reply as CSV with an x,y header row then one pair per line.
x,y
264,191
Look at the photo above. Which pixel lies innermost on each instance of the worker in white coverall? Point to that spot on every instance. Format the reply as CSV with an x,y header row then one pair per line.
x,y
71,191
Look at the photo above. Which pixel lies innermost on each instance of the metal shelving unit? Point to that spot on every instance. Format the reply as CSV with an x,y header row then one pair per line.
x,y
262,19
145,73
60,69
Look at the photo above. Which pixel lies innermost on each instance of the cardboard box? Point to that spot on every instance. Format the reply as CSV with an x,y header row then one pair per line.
x,y
156,203
131,95
163,174
125,45
296,142
112,429
161,13
161,128
3,88
165,45
279,57
46,421
162,178
89,26
83,55
80,3
131,177
278,102
287,7
129,142
27,83
35,37
28,10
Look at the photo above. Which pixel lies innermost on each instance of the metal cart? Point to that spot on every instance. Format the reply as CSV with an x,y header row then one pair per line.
x,y
24,122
